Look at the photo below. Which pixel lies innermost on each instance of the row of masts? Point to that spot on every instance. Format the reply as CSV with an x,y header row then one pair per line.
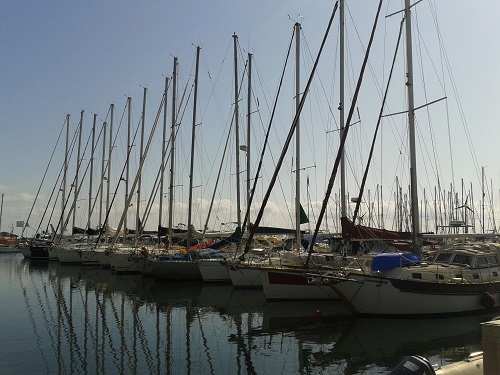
x,y
105,173
104,206
402,201
448,210
343,197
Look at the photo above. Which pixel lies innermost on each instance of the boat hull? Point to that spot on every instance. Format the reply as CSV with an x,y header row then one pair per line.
x,y
102,258
214,271
25,250
9,249
54,252
371,295
68,255
245,276
176,270
39,252
289,285
126,262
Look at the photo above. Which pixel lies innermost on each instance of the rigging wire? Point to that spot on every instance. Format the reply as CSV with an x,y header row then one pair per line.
x,y
266,139
72,144
275,135
61,218
431,132
458,99
290,134
344,135
360,196
43,179
224,153
156,185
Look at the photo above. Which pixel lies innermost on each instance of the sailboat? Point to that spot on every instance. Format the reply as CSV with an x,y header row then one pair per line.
x,y
178,263
292,280
248,271
459,279
287,283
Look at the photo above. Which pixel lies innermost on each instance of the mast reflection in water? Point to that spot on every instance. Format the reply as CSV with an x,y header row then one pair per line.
x,y
58,319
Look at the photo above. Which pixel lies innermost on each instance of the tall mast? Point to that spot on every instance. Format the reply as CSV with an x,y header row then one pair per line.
x,y
193,134
63,200
411,129
297,136
249,115
343,204
127,167
237,130
78,162
483,226
103,161
110,150
91,171
172,154
1,213
163,145
141,152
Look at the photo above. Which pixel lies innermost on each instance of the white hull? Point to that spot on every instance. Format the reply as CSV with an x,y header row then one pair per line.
x,y
378,296
213,271
245,277
283,285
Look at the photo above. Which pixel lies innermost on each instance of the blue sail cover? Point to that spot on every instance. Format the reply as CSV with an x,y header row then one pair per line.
x,y
388,261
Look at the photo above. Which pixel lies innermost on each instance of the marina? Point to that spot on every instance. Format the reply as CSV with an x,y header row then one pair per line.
x,y
87,320
312,200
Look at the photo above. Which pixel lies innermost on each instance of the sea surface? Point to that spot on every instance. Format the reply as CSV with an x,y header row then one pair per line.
x,y
57,319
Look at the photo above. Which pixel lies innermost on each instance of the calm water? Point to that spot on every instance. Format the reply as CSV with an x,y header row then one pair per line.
x,y
58,319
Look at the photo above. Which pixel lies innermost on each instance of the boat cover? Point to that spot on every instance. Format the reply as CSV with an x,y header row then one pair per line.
x,y
388,261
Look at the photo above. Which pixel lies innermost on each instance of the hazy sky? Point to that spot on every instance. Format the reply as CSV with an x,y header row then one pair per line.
x,y
60,57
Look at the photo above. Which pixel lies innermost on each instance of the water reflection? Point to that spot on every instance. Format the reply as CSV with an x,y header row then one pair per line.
x,y
88,321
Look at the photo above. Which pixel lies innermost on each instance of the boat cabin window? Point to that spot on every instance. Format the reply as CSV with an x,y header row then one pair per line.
x,y
417,276
482,262
443,258
462,260
492,260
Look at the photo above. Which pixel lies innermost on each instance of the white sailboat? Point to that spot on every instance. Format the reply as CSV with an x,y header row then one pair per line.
x,y
459,280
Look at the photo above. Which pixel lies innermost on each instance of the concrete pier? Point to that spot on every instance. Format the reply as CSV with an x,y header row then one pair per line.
x,y
491,347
